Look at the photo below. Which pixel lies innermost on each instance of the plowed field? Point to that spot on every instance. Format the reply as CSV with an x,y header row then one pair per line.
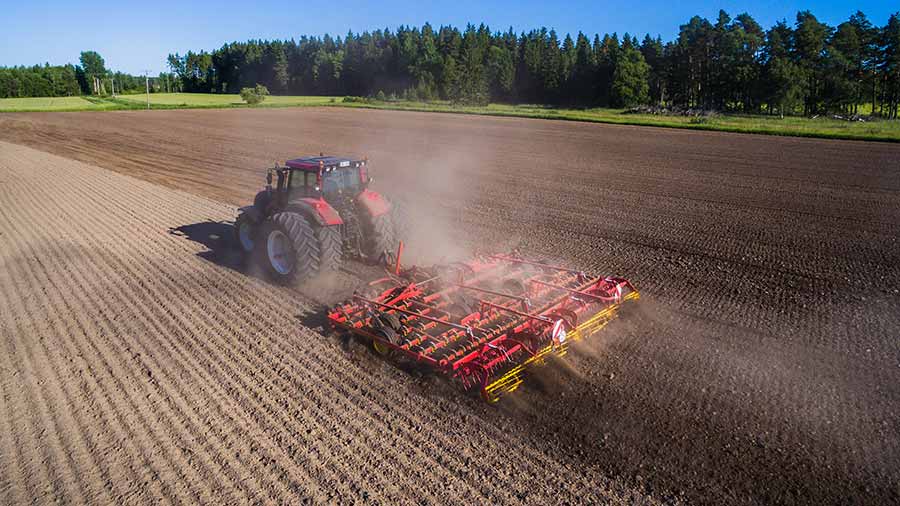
x,y
143,364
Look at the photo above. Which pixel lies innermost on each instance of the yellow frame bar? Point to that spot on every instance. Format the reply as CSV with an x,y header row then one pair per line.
x,y
510,380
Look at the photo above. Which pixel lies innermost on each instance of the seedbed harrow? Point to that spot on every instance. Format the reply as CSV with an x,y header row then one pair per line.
x,y
483,322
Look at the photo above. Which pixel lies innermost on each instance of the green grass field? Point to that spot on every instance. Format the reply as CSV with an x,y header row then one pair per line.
x,y
794,126
189,100
50,104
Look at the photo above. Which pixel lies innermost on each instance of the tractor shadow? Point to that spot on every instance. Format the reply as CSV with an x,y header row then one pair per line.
x,y
223,250
221,247
321,292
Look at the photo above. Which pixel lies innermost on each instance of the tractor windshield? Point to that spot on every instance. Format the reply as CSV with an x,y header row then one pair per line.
x,y
342,180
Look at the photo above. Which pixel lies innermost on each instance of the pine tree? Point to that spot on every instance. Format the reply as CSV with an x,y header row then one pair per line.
x,y
550,69
652,50
810,38
583,71
785,85
281,77
748,65
841,87
889,66
867,59
567,63
606,64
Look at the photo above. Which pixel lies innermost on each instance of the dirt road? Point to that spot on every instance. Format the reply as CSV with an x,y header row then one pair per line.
x,y
762,366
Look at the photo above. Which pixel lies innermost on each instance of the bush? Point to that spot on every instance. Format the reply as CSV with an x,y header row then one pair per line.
x,y
425,93
476,99
254,95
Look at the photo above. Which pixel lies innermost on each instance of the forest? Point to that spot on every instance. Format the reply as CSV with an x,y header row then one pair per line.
x,y
90,77
731,64
805,67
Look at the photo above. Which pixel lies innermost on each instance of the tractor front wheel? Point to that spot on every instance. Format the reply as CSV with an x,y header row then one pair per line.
x,y
245,233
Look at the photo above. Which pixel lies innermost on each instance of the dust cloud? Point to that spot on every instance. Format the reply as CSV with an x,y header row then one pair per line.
x,y
437,187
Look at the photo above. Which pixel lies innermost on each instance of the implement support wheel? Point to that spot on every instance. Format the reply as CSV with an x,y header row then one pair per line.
x,y
388,335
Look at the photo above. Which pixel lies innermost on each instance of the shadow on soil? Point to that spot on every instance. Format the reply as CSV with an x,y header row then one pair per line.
x,y
321,292
218,238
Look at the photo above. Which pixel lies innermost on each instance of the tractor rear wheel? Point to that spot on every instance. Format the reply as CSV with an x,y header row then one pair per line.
x,y
400,219
295,250
378,237
245,233
330,246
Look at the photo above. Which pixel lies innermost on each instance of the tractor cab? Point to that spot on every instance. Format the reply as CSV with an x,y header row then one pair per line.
x,y
320,210
330,177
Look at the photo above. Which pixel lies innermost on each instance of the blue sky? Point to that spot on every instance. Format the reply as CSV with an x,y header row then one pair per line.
x,y
133,37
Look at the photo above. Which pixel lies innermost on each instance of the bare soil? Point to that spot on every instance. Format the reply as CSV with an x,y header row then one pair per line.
x,y
762,364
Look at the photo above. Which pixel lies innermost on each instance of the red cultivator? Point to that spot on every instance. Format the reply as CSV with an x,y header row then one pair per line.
x,y
483,322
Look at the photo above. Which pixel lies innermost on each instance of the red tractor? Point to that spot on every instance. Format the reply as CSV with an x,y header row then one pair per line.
x,y
320,211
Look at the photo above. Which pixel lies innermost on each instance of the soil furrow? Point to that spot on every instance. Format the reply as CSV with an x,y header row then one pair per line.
x,y
87,449
108,302
40,411
142,453
113,372
759,366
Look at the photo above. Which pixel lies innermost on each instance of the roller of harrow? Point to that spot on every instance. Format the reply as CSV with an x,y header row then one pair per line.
x,y
483,322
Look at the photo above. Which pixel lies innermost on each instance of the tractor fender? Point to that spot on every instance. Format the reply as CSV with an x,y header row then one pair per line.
x,y
252,213
373,202
316,209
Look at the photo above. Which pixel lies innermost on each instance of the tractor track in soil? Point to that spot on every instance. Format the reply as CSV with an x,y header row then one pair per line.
x,y
143,364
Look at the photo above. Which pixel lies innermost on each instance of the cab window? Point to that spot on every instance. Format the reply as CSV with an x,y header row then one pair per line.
x,y
298,179
343,179
302,183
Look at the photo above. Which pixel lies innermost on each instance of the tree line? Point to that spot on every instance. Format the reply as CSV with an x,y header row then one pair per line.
x,y
90,77
732,64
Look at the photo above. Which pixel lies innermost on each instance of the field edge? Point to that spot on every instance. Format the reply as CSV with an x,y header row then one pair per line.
x,y
513,111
